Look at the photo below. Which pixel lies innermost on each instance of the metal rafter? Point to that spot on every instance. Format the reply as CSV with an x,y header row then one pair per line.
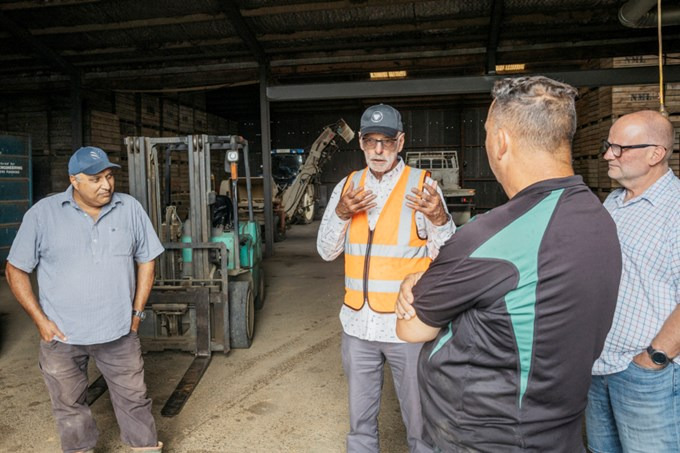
x,y
497,7
242,29
318,6
459,85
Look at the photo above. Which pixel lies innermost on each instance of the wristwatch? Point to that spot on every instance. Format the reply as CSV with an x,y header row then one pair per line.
x,y
140,314
658,357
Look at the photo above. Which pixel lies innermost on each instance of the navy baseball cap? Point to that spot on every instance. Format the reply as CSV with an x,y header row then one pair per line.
x,y
89,160
381,119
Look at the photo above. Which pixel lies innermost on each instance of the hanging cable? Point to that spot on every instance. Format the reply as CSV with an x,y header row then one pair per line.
x,y
662,107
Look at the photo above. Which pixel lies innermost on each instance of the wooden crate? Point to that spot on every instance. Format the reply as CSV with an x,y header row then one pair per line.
x,y
151,111
588,137
675,120
60,130
632,61
602,194
127,130
186,119
675,163
125,107
591,170
170,115
200,122
150,132
577,165
593,104
103,131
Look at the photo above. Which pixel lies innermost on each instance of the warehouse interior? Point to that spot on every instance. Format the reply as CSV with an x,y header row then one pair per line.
x,y
93,72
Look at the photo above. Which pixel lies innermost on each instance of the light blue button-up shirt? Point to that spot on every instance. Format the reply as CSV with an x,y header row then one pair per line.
x,y
649,231
86,268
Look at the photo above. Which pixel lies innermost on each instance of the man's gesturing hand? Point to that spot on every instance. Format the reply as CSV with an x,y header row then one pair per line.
x,y
354,201
429,203
404,309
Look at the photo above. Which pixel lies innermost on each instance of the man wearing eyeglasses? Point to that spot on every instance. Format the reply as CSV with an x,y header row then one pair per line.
x,y
389,219
634,399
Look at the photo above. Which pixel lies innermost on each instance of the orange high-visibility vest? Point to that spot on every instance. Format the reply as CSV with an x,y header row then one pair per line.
x,y
377,261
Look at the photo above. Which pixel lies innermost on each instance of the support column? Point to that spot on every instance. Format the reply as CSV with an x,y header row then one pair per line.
x,y
265,128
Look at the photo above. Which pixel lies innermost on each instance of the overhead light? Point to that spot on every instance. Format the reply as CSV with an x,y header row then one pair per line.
x,y
517,67
388,75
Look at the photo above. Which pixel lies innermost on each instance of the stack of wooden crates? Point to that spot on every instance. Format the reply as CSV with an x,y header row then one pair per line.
x,y
598,108
152,116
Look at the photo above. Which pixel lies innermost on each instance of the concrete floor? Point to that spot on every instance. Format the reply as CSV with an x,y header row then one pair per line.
x,y
287,393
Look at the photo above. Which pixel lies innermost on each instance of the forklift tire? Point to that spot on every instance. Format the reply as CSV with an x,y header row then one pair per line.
x,y
241,314
259,299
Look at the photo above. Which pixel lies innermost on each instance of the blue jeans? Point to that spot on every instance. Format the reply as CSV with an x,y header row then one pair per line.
x,y
635,410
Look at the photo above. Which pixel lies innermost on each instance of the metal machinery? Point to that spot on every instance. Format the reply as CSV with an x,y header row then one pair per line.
x,y
210,277
444,168
295,193
297,200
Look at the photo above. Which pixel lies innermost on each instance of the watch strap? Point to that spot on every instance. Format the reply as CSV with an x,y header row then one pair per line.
x,y
140,314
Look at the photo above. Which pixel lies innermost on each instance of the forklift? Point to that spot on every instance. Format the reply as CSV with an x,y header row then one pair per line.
x,y
210,277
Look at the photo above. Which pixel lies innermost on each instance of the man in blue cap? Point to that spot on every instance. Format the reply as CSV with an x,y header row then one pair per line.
x,y
94,250
389,219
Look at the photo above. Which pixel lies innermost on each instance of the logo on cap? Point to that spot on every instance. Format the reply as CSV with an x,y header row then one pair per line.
x,y
377,116
94,155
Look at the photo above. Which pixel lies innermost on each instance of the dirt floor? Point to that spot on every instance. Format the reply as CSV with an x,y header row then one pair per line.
x,y
287,393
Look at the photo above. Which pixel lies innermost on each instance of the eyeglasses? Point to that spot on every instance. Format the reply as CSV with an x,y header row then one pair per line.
x,y
371,143
618,149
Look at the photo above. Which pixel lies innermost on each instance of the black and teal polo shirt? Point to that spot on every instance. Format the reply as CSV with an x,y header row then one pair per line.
x,y
524,295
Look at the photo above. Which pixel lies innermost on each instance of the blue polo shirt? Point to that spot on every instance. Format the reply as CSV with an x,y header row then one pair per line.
x,y
86,268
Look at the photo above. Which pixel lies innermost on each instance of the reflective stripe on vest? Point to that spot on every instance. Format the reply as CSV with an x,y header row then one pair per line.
x,y
377,261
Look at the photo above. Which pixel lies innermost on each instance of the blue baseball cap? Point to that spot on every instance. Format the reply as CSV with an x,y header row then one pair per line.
x,y
382,119
89,160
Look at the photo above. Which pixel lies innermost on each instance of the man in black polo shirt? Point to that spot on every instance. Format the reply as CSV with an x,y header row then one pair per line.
x,y
518,303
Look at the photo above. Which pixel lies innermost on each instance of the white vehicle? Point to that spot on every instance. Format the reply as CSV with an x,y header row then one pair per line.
x,y
444,168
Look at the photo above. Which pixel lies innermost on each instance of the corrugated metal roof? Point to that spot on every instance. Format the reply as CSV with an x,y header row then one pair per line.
x,y
304,39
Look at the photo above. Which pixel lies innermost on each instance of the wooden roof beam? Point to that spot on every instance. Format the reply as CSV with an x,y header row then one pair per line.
x,y
126,25
25,36
245,33
34,4
318,6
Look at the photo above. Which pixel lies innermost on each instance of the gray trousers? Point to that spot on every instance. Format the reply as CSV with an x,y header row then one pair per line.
x,y
64,367
363,362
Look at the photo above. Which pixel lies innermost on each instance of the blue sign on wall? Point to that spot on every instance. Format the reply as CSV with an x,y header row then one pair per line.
x,y
16,187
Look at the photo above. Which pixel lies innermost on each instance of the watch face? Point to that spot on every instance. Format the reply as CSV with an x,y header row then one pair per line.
x,y
659,358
